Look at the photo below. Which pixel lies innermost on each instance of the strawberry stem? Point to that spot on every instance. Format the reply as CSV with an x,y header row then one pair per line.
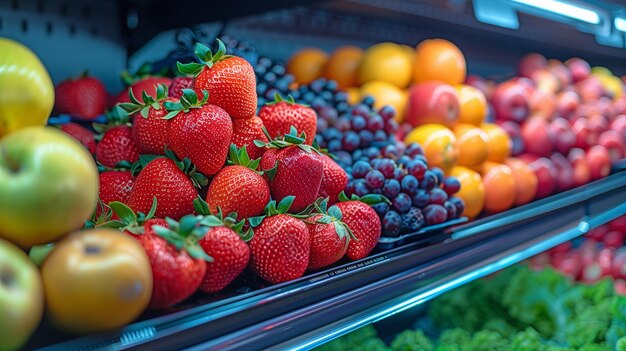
x,y
148,102
240,157
206,58
187,101
370,199
185,235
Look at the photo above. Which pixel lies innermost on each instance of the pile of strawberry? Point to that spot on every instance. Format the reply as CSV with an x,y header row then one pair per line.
x,y
210,189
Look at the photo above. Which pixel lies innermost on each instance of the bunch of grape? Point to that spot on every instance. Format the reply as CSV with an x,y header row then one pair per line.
x,y
419,196
271,78
359,130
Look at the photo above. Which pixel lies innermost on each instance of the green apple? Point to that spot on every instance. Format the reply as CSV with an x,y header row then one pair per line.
x,y
48,185
21,297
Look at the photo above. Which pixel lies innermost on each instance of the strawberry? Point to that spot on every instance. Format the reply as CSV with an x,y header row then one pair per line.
x,y
115,186
172,182
150,128
116,142
147,84
178,84
362,221
82,134
329,236
199,131
280,115
245,132
279,249
178,262
84,97
294,169
239,187
230,253
334,181
230,80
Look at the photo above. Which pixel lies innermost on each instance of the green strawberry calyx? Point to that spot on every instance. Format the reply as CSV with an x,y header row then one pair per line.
x,y
187,101
290,139
219,220
128,219
97,219
206,58
119,167
115,117
370,199
289,100
334,216
274,209
185,235
147,102
198,179
239,156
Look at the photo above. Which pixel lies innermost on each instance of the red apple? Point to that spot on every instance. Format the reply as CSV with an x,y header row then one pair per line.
x,y
605,108
567,104
546,81
585,136
563,247
591,89
545,172
526,83
613,240
560,71
579,68
563,134
564,172
542,104
432,102
510,102
598,123
614,143
530,63
582,171
619,106
599,161
538,137
619,224
619,125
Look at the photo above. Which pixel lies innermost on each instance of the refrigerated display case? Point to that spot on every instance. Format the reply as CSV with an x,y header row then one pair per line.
x,y
109,37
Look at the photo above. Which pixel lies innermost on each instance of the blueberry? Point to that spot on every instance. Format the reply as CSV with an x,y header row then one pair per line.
x,y
439,173
375,179
390,151
451,185
368,101
386,167
391,188
357,155
417,169
360,187
398,174
429,182
380,135
366,137
409,184
435,214
344,159
412,221
404,160
459,204
401,203
375,123
334,145
350,141
414,149
371,152
438,196
387,112
392,224
451,208
360,110
421,198
381,208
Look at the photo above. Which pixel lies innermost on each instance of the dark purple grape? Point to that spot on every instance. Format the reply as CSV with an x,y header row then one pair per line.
x,y
404,160
390,151
366,137
401,203
371,152
380,135
386,167
368,101
334,145
344,159
421,198
421,158
381,208
459,204
360,169
375,179
429,181
391,127
322,124
341,96
413,220
360,187
451,208
332,133
417,169
398,174
343,124
387,112
439,173
350,141
357,155
328,113
360,110
349,188
392,224
391,188
375,123
376,191
451,185
331,85
358,123
438,196
409,184
318,85
435,214
414,149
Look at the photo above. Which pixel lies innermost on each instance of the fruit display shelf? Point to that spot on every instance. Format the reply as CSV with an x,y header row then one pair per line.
x,y
324,305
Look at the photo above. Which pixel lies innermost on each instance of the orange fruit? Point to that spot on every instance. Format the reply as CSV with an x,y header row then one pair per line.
x,y
386,94
438,142
472,144
342,65
439,59
499,185
498,142
354,95
472,190
387,62
472,105
306,65
525,181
